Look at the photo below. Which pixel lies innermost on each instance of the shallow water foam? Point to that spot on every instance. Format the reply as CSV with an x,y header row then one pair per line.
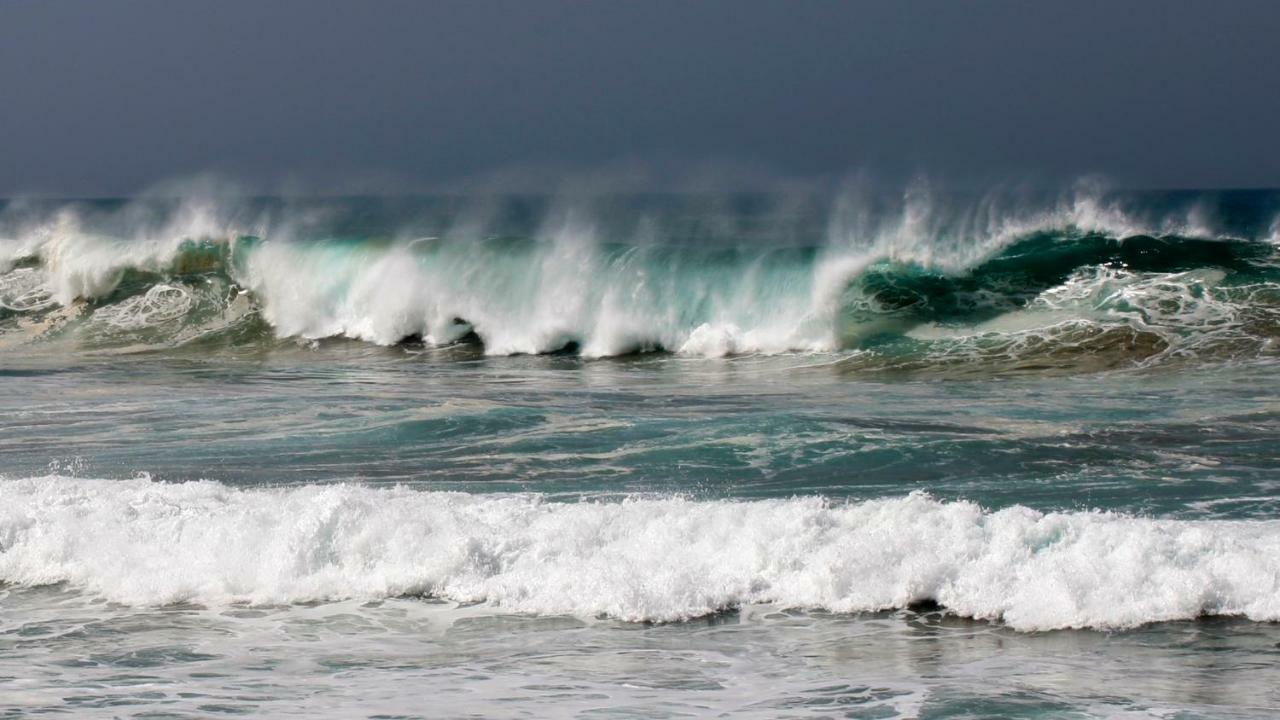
x,y
147,543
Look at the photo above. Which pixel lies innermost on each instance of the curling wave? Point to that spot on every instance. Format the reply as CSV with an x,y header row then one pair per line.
x,y
1081,285
637,560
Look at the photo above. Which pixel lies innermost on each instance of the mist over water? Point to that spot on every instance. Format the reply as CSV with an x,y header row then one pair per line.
x,y
856,453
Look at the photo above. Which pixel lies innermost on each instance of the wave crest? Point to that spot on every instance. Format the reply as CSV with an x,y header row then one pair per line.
x,y
871,281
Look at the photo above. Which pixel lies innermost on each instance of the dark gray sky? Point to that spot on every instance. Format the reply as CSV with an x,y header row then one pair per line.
x,y
107,97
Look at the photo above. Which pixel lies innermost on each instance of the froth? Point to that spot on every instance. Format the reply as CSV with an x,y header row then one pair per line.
x,y
142,542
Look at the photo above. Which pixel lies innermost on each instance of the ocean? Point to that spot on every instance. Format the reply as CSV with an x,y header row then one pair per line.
x,y
848,454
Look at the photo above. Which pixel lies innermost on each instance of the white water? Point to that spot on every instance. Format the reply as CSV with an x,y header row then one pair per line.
x,y
564,287
140,542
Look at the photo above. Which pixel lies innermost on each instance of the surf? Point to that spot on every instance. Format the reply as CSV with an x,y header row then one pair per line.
x,y
909,283
644,559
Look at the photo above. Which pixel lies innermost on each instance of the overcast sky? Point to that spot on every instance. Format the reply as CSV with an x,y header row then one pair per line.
x,y
110,96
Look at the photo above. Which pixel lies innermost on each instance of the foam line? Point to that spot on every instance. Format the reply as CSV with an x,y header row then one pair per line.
x,y
145,543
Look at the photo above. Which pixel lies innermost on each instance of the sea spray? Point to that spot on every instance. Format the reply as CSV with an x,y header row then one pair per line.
x,y
855,276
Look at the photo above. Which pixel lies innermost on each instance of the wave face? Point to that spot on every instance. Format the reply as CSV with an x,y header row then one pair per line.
x,y
1079,282
637,560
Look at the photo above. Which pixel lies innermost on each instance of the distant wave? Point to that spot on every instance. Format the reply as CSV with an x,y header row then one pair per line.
x,y
1080,284
636,560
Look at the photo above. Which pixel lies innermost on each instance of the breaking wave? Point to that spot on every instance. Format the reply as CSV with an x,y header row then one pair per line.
x,y
1082,283
636,560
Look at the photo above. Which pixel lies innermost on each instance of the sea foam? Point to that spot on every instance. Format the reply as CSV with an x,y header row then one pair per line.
x,y
140,542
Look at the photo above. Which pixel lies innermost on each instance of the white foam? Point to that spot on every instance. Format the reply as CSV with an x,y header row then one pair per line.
x,y
141,542
24,290
159,304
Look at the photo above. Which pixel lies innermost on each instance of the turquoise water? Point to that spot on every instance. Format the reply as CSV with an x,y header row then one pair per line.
x,y
645,457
